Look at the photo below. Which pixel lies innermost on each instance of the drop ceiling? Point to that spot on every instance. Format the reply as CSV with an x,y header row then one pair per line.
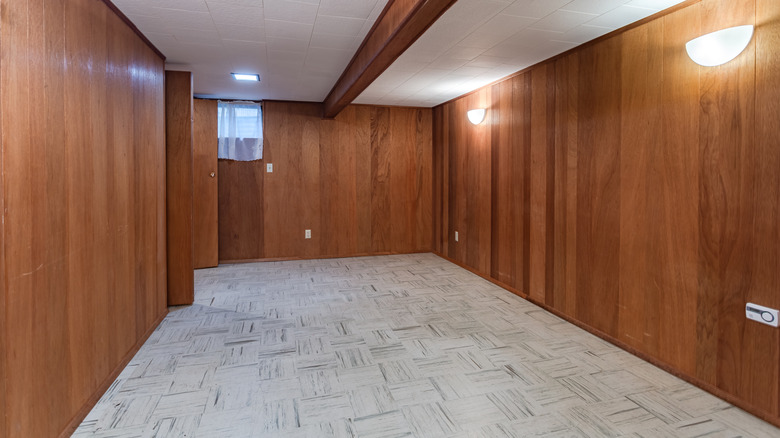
x,y
300,48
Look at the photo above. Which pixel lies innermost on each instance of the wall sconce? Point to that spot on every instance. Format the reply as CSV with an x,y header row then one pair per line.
x,y
719,47
476,116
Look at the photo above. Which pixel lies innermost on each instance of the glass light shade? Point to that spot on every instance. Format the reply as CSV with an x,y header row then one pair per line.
x,y
719,47
476,116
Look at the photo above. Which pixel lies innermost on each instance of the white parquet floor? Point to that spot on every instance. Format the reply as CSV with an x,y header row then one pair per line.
x,y
390,346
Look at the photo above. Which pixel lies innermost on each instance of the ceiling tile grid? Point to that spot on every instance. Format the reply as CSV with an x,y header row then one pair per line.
x,y
300,47
477,42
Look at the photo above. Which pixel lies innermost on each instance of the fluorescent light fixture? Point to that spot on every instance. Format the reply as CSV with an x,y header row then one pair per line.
x,y
719,47
245,77
476,116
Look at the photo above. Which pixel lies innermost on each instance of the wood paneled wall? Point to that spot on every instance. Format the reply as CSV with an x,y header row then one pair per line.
x,y
360,182
179,186
83,237
634,192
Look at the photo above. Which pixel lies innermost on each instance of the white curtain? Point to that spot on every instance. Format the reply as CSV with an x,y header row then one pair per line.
x,y
240,126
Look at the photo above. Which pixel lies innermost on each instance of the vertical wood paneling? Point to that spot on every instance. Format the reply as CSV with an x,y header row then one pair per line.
x,y
521,99
422,180
179,184
565,191
380,180
505,208
204,187
73,77
648,194
598,237
762,344
476,216
538,184
437,177
641,76
363,173
361,182
726,156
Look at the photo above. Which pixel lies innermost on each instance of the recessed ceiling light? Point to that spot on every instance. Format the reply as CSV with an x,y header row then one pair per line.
x,y
245,77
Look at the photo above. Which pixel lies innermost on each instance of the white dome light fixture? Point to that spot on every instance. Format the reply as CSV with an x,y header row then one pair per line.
x,y
476,116
719,47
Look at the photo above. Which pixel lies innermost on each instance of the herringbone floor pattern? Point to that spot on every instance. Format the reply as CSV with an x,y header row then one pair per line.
x,y
389,346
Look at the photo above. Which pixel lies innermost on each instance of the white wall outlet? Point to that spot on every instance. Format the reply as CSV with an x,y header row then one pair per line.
x,y
307,234
269,167
761,314
456,236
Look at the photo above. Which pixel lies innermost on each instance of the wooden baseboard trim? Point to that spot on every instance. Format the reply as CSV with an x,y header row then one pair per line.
x,y
324,257
74,423
714,390
503,285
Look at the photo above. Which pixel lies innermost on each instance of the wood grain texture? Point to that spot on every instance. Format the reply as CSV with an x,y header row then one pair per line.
x,y
83,195
360,182
399,25
538,183
205,234
179,185
763,343
654,208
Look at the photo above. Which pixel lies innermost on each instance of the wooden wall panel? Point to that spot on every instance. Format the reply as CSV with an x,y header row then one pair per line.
x,y
538,183
762,344
179,184
83,196
647,204
361,182
204,186
598,202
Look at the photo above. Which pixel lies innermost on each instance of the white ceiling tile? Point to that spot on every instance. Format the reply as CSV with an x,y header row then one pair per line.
x,y
300,47
285,57
242,15
377,11
447,63
594,6
184,5
326,60
287,45
290,11
244,33
338,25
562,21
192,36
183,18
329,41
535,8
584,33
250,3
621,16
466,53
347,8
288,29
656,5
486,61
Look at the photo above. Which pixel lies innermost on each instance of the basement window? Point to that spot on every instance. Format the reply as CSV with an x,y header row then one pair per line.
x,y
240,128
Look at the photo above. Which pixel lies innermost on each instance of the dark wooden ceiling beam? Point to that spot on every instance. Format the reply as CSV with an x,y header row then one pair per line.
x,y
399,25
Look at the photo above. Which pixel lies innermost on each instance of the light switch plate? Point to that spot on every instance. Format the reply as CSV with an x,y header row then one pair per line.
x,y
761,314
269,167
456,236
307,234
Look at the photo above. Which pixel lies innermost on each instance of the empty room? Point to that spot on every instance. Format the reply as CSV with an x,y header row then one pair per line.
x,y
389,218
